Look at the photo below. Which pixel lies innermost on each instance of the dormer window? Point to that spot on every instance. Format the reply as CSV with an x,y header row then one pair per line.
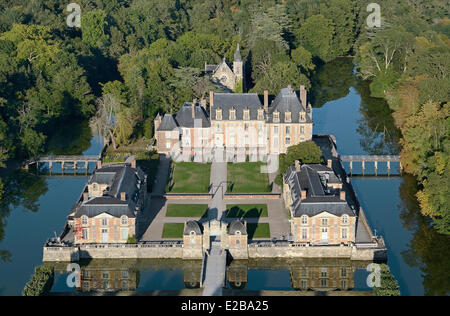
x,y
219,114
260,114
232,114
302,116
246,114
124,220
287,117
276,117
84,220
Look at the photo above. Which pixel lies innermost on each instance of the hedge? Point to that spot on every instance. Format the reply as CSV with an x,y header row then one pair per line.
x,y
40,283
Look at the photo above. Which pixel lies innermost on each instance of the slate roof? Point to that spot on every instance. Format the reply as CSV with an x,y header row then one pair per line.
x,y
319,197
237,226
168,123
192,226
237,54
184,115
121,179
238,101
287,101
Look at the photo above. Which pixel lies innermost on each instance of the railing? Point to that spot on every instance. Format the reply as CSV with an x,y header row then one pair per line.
x,y
367,158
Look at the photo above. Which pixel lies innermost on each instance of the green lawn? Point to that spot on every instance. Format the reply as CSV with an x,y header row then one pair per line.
x,y
186,210
260,230
173,230
189,177
247,210
246,177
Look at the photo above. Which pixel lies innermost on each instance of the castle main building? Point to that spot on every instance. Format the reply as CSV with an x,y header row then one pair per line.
x,y
237,124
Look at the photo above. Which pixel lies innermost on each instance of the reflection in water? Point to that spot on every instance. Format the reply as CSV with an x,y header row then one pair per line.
x,y
21,189
134,275
379,135
71,139
427,249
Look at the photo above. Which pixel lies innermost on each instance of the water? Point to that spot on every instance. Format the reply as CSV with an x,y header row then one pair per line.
x,y
35,206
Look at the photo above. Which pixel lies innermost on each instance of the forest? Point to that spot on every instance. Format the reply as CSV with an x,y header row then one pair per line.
x,y
131,59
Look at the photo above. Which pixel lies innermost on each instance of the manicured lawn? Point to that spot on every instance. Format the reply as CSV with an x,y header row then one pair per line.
x,y
173,230
260,230
186,210
189,177
247,210
246,177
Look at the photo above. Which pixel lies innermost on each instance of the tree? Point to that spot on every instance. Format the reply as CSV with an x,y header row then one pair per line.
x,y
306,153
303,58
93,25
316,35
103,123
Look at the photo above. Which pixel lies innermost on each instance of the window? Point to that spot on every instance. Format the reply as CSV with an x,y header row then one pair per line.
x,y
323,283
324,221
276,117
344,233
304,219
104,222
260,114
246,127
344,284
125,274
246,114
125,285
168,145
304,284
304,233
124,220
232,114
302,116
124,234
168,135
219,114
85,234
344,272
288,130
84,220
238,242
246,140
288,141
323,273
287,117
345,219
302,130
275,129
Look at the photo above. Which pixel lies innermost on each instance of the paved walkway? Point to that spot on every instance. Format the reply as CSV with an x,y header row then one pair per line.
x,y
162,175
215,271
218,182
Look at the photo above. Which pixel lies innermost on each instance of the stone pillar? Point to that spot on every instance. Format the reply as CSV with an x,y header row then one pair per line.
x,y
389,167
363,167
351,167
376,167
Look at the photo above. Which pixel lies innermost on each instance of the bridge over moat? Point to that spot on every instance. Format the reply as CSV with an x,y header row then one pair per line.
x,y
75,162
375,159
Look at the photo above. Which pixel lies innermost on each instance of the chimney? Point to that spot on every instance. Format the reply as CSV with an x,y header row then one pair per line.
x,y
85,196
211,100
193,109
303,196
99,164
342,195
123,196
330,163
133,163
266,100
303,96
297,165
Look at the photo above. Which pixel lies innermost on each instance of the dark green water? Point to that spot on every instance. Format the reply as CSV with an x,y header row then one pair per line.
x,y
36,206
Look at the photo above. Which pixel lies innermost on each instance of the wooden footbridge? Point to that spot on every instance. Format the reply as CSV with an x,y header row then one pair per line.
x,y
375,159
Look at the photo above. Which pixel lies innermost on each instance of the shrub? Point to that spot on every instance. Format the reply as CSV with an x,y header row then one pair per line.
x,y
40,283
389,285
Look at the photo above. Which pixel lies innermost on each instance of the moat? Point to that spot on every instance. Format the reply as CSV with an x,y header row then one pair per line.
x,y
37,205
